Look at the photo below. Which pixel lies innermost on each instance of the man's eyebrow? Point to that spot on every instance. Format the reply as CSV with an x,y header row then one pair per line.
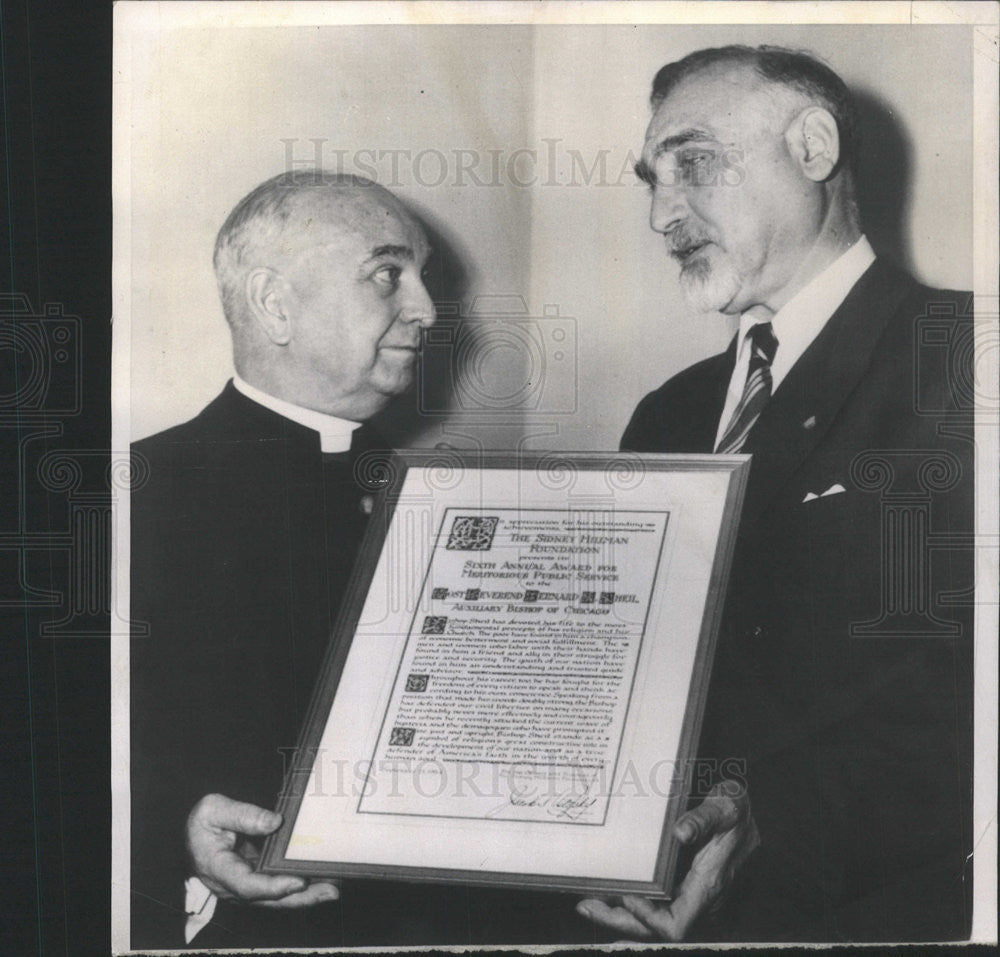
x,y
669,143
646,173
391,251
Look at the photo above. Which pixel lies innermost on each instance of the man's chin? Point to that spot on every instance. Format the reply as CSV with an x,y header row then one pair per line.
x,y
397,381
709,292
703,301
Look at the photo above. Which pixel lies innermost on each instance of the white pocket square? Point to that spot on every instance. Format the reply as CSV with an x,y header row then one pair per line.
x,y
832,490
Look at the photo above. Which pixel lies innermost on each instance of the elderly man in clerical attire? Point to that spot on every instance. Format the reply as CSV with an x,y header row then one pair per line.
x,y
242,543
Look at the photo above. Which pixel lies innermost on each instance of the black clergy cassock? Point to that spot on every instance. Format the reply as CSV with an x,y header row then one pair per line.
x,y
243,538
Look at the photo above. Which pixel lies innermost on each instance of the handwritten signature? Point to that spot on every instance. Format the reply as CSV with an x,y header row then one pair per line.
x,y
567,805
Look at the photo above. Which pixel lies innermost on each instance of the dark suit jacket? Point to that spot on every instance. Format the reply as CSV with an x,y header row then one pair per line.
x,y
844,670
242,543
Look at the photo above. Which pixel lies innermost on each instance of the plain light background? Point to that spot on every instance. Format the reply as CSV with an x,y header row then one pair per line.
x,y
563,228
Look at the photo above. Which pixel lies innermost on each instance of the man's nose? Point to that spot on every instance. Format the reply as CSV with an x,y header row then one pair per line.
x,y
419,307
668,208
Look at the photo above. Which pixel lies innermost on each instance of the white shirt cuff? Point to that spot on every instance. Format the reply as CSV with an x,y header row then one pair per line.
x,y
199,903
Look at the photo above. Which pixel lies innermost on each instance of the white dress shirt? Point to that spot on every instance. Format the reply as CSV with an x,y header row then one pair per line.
x,y
797,323
334,436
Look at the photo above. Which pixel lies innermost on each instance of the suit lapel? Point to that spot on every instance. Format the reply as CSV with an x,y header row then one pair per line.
x,y
817,386
690,424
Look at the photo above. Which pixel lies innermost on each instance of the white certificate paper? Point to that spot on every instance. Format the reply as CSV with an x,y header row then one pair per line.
x,y
515,687
524,660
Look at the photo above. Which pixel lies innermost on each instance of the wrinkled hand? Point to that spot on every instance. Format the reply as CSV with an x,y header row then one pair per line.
x,y
724,823
215,828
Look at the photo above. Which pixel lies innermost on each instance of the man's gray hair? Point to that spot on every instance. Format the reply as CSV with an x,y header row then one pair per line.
x,y
794,69
253,230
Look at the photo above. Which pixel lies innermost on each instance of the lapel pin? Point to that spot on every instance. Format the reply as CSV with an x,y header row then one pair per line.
x,y
809,423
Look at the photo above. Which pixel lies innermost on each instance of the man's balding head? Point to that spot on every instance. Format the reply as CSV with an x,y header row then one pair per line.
x,y
320,276
276,219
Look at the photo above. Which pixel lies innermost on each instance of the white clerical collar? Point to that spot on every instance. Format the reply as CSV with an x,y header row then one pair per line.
x,y
800,320
334,434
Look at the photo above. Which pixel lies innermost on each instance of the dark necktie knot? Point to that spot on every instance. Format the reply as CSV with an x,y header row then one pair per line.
x,y
764,342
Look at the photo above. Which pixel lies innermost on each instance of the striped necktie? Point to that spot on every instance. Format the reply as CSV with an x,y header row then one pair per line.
x,y
757,390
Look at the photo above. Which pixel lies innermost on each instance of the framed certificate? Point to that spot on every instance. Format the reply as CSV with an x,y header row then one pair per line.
x,y
515,685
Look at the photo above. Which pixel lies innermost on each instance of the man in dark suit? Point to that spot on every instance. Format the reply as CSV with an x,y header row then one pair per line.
x,y
243,539
844,671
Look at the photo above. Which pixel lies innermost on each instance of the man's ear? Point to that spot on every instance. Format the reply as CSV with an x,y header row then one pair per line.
x,y
265,291
814,142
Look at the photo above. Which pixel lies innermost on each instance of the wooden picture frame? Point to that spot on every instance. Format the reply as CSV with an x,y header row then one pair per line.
x,y
506,608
